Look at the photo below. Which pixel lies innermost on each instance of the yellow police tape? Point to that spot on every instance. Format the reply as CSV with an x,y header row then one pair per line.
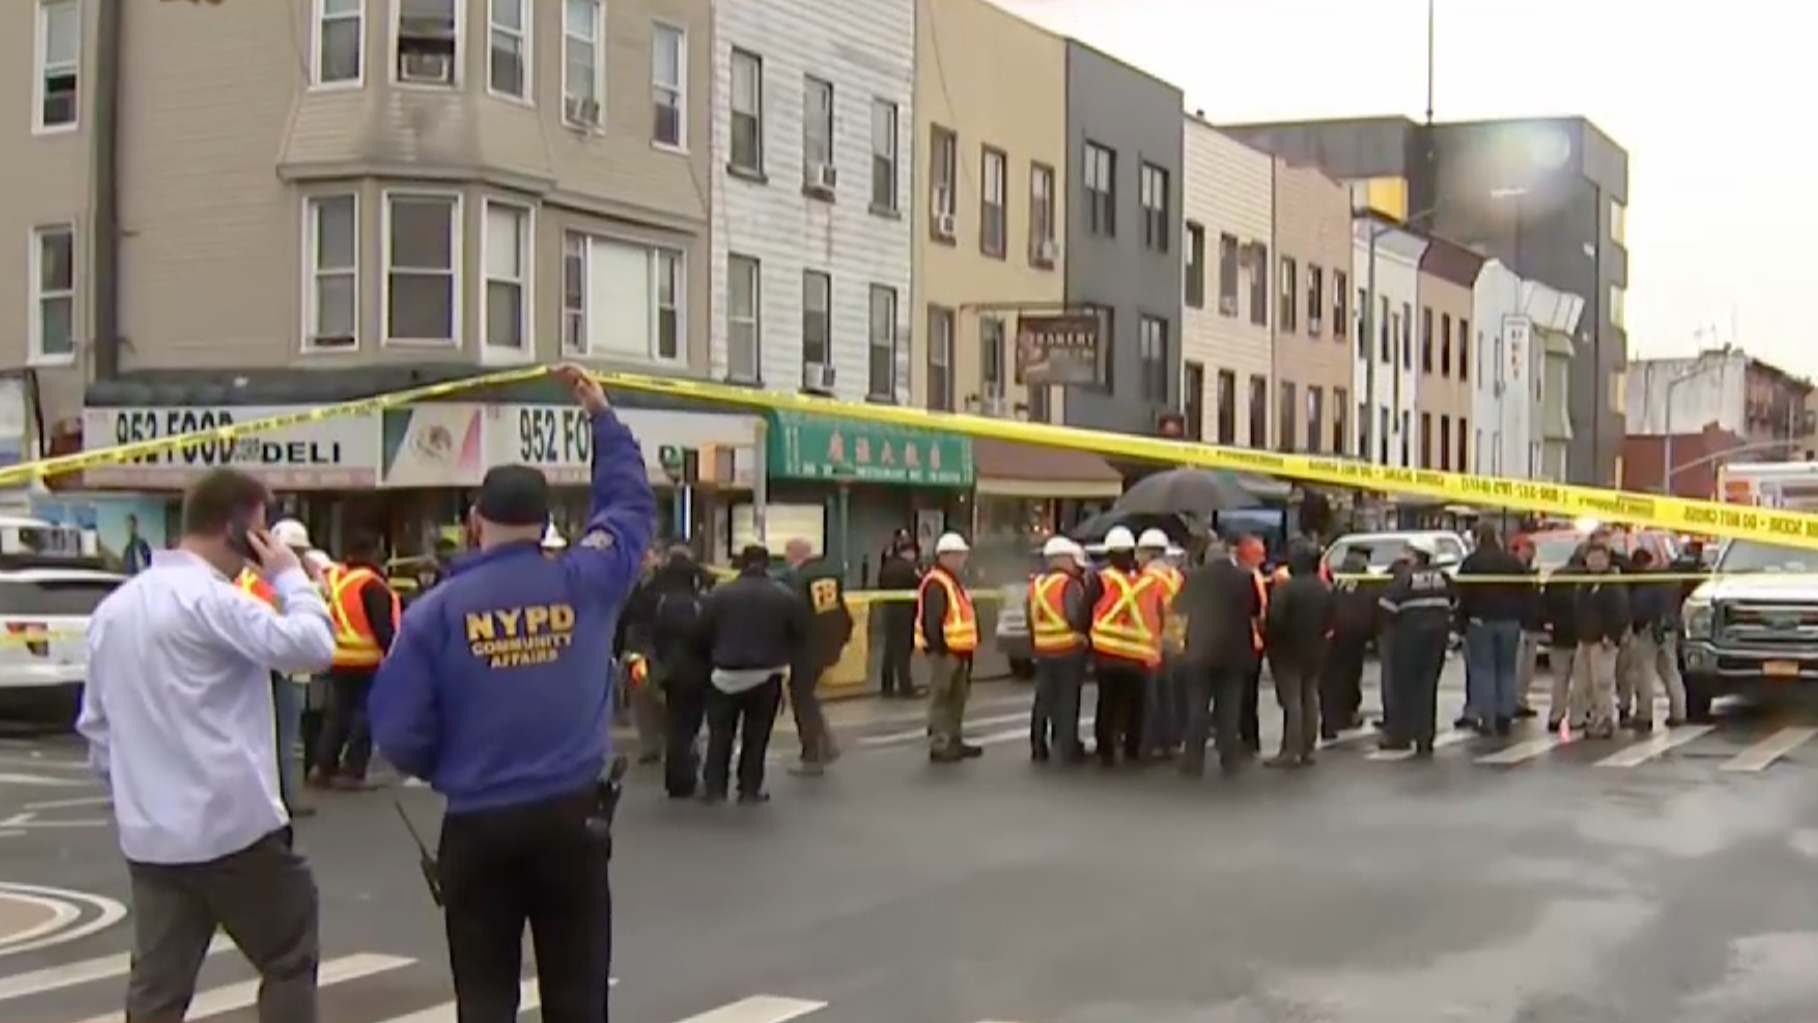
x,y
1659,511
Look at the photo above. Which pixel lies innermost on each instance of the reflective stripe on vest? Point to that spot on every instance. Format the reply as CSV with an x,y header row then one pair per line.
x,y
959,629
255,586
1050,632
1126,623
1174,626
355,644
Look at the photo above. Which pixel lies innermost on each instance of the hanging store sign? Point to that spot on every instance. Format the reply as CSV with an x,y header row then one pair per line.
x,y
328,454
558,439
1061,349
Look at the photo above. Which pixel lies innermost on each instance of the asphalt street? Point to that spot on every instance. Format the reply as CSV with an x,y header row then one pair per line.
x,y
1507,880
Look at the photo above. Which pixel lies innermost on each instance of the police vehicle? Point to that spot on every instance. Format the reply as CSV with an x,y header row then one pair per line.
x,y
1382,549
51,579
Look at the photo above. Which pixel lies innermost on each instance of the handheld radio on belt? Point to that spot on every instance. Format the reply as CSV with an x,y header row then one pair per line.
x,y
432,873
609,788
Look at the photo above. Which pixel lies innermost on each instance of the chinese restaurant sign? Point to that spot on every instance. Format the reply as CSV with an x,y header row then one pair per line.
x,y
805,447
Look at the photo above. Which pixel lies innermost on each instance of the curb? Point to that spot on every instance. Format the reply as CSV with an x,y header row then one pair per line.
x,y
66,916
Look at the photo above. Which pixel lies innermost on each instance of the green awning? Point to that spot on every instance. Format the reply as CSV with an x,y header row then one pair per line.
x,y
812,447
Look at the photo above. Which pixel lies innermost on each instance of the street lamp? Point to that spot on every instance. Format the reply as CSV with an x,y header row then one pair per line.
x,y
1700,366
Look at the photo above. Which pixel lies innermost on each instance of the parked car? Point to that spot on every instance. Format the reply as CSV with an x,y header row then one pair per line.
x,y
49,588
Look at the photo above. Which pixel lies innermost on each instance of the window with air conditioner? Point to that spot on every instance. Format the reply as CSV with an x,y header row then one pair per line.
x,y
669,86
883,156
747,105
332,228
422,268
817,136
506,295
58,54
508,48
583,63
940,358
52,313
881,364
428,42
817,318
340,42
943,182
744,318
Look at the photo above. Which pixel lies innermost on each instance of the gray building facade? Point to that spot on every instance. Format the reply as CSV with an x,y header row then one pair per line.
x,y
1547,197
1123,240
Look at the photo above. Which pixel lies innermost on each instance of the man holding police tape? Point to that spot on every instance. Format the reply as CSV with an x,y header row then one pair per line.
x,y
496,691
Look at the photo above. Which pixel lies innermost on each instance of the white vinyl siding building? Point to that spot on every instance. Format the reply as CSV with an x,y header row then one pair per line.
x,y
1229,193
802,79
1393,343
1502,390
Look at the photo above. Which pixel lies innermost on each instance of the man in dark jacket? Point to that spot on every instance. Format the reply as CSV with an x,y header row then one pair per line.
x,y
1353,626
1558,597
750,629
817,584
1419,605
1602,618
898,573
1645,665
1491,614
675,591
1298,623
1223,601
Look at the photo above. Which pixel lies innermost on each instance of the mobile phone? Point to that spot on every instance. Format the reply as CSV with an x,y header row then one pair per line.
x,y
237,540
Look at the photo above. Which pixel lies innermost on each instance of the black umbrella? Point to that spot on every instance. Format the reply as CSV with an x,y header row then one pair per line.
x,y
1198,492
1181,529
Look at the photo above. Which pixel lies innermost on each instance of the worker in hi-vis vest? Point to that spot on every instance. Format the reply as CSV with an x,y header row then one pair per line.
x,y
364,611
1126,637
1059,619
946,630
1163,719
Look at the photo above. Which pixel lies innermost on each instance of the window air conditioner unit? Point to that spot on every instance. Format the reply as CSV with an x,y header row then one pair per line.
x,y
1227,305
1313,325
944,226
823,177
582,110
426,68
1047,251
994,404
817,377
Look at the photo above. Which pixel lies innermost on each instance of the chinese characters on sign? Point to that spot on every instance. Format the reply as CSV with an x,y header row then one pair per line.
x,y
830,449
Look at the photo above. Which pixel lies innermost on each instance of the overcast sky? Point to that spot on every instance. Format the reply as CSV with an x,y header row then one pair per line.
x,y
1711,99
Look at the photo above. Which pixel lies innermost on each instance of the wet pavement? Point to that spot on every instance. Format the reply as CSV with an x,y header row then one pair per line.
x,y
1623,881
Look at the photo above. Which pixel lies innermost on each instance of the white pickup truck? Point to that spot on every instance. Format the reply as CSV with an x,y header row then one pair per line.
x,y
1753,630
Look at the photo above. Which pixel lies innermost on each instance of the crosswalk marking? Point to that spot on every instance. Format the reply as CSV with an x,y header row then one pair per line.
x,y
1451,738
1348,735
1656,745
916,734
56,978
39,779
528,1001
758,1009
1013,734
1768,750
231,997
1521,752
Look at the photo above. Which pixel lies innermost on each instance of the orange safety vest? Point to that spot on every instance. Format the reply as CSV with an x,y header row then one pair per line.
x,y
355,644
1050,632
1174,627
1262,610
960,627
254,585
637,670
1127,621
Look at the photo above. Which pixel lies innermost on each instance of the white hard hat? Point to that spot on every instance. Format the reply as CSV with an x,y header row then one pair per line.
x,y
1119,539
1176,552
951,543
292,534
1058,547
1153,540
553,540
1423,545
317,559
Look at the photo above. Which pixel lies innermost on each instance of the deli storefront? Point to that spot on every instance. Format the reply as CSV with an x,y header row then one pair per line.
x,y
409,474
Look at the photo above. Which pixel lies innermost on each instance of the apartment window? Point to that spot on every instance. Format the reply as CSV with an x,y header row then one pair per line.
x,y
1193,399
817,318
507,247
422,268
1041,214
340,28
1406,437
1228,270
883,156
583,70
1426,440
1259,284
1445,344
747,105
881,384
1426,339
332,223
669,86
1341,404
1464,350
1101,190
1290,295
1227,407
1445,443
1363,431
508,50
1464,451
943,198
1407,335
744,318
1259,412
991,359
53,308
667,267
625,300
1363,325
1152,189
940,358
1316,303
1195,291
59,57
992,225
1287,414
1382,446
429,36
1341,303
1152,354
817,132
1316,412
1619,223
574,294
1387,327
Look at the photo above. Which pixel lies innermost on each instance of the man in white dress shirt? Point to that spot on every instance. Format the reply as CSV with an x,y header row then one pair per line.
x,y
178,716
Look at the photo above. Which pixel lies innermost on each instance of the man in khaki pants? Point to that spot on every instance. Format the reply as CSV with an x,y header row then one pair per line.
x,y
1601,613
946,630
1650,658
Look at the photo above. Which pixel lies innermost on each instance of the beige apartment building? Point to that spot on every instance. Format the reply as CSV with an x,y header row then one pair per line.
x,y
1447,355
273,188
1314,333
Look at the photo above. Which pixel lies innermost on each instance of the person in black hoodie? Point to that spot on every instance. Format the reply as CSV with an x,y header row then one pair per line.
x,y
1602,618
749,631
1490,616
1558,615
1298,622
1354,615
675,591
896,621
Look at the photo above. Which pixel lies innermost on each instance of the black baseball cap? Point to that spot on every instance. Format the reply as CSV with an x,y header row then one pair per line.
x,y
513,495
